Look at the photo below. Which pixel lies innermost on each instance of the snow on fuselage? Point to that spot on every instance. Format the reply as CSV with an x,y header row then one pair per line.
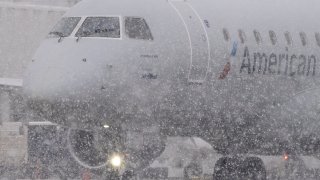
x,y
193,75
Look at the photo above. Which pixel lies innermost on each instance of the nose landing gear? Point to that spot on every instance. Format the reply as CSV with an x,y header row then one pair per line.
x,y
237,168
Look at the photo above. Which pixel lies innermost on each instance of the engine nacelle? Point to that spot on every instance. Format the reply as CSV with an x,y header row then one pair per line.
x,y
117,148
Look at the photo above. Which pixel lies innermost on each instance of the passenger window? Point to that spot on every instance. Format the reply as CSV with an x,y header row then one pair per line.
x,y
64,27
137,28
226,34
288,38
318,38
273,37
100,27
303,37
242,36
257,36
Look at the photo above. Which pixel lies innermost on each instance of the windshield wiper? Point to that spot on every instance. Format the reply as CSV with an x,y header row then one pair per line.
x,y
60,34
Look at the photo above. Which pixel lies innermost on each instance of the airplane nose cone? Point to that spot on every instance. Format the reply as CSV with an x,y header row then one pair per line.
x,y
54,83
42,83
64,94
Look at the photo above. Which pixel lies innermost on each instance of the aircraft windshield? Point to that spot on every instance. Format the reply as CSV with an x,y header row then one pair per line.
x,y
64,27
100,27
137,28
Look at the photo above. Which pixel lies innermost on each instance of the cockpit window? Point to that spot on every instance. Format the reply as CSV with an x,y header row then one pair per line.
x,y
64,27
137,28
100,27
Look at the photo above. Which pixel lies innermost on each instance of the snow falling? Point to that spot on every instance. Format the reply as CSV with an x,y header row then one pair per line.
x,y
159,89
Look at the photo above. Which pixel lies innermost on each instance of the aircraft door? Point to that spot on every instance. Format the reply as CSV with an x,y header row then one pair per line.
x,y
199,43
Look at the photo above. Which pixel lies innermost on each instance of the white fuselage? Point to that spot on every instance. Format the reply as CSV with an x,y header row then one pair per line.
x,y
188,79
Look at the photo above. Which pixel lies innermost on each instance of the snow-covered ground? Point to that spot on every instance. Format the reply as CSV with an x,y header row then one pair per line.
x,y
179,153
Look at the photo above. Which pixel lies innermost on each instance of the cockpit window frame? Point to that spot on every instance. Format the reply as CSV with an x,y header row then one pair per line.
x,y
73,30
83,18
145,21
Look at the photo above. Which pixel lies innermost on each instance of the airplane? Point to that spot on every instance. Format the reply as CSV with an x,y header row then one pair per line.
x,y
241,75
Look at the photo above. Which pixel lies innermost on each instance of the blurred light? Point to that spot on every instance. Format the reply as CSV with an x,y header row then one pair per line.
x,y
285,156
116,161
106,126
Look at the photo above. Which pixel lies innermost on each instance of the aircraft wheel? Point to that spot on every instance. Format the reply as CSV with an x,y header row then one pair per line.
x,y
251,168
254,168
112,175
127,175
192,171
227,168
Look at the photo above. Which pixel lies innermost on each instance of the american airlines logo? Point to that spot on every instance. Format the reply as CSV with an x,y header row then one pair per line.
x,y
278,64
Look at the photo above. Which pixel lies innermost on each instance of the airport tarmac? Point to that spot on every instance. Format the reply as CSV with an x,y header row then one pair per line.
x,y
179,153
